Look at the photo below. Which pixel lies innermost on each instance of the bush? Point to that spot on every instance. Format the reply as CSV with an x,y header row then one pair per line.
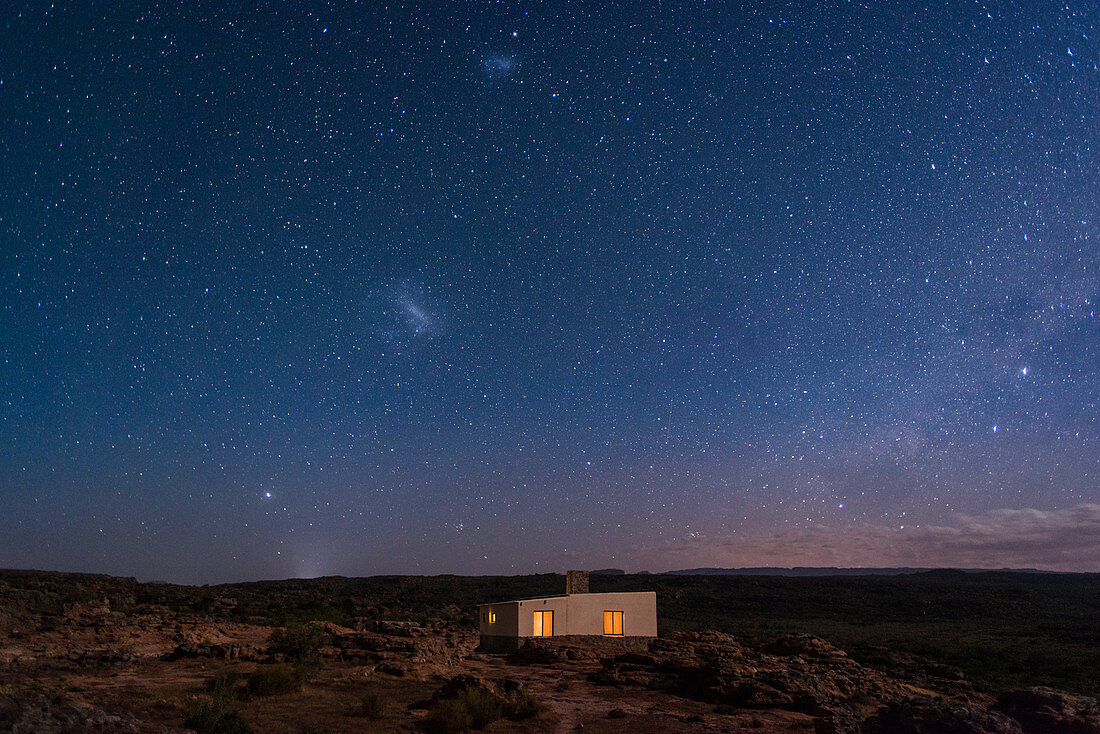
x,y
616,714
301,643
215,716
483,705
520,705
448,716
10,705
473,707
275,679
225,684
374,705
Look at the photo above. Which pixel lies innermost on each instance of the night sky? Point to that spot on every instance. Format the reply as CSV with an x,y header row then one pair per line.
x,y
504,287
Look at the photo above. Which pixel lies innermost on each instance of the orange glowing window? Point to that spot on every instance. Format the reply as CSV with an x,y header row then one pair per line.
x,y
492,617
544,624
613,623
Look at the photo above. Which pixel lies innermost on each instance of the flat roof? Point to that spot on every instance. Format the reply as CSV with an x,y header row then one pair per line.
x,y
566,596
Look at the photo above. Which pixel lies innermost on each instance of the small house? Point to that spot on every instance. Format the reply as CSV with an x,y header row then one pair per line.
x,y
577,613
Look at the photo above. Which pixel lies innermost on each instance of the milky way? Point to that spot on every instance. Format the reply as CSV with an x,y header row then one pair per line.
x,y
348,289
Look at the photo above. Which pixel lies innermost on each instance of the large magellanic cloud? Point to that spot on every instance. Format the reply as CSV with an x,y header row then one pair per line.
x,y
1056,540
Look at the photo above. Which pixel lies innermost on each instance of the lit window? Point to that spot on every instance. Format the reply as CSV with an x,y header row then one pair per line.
x,y
492,617
544,624
613,623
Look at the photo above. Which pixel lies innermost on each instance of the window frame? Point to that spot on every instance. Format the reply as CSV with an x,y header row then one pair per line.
x,y
540,629
610,616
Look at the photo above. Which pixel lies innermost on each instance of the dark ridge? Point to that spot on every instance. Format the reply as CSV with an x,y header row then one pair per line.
x,y
833,571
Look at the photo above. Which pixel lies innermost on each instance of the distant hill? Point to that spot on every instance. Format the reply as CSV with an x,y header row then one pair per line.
x,y
827,571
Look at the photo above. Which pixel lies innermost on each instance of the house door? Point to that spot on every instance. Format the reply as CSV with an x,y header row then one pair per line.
x,y
544,624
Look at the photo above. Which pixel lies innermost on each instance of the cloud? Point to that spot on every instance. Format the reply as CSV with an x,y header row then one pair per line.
x,y
1055,540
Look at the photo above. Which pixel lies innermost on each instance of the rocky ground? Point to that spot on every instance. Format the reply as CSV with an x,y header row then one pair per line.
x,y
116,665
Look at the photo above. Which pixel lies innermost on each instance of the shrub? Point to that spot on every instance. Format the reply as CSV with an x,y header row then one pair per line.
x,y
10,705
301,643
225,684
215,716
472,707
483,705
374,705
275,679
520,705
307,728
447,716
616,714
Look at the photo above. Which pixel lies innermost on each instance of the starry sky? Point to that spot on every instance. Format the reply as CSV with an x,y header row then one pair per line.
x,y
508,287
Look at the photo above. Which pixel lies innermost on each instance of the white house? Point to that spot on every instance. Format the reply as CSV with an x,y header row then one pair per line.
x,y
577,613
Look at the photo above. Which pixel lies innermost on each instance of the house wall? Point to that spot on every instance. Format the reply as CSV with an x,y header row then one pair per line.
x,y
557,604
507,619
577,614
639,613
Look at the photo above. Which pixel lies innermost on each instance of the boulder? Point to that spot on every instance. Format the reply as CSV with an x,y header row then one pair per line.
x,y
922,715
806,646
1047,711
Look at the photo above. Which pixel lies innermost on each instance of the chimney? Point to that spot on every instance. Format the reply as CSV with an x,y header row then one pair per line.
x,y
576,582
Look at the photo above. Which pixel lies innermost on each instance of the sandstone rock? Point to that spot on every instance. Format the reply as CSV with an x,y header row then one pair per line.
x,y
921,715
837,724
798,673
532,651
220,651
803,645
393,668
399,628
330,628
1045,710
57,716
102,656
372,642
755,694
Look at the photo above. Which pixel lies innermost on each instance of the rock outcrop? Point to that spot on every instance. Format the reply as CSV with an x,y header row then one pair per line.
x,y
54,715
795,672
926,715
1047,711
401,649
808,675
